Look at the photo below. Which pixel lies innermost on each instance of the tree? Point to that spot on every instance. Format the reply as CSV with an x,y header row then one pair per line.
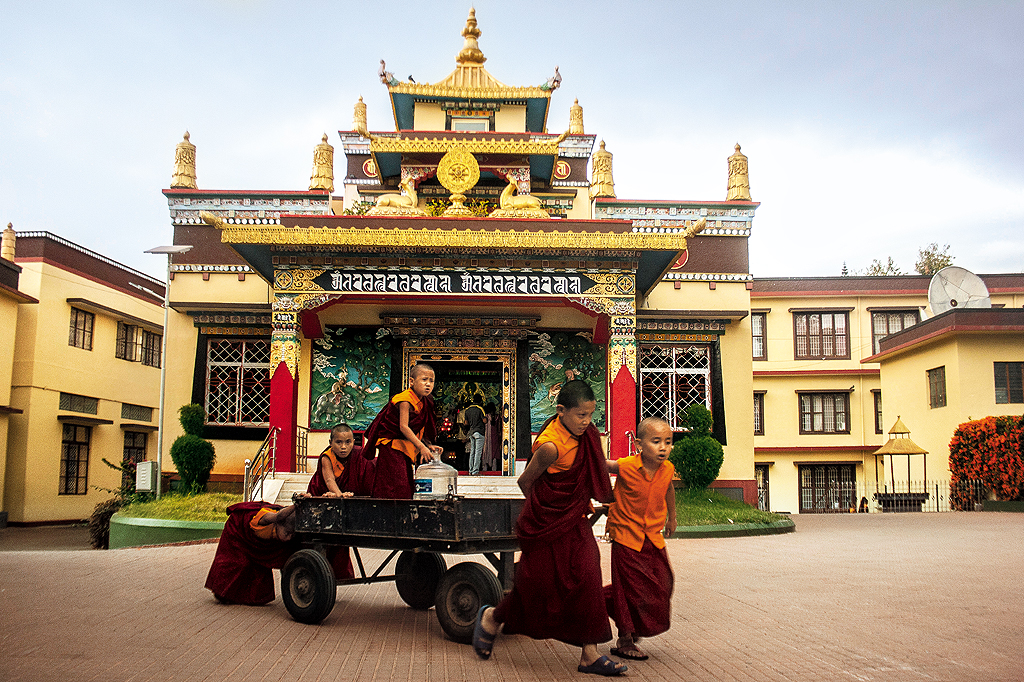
x,y
930,259
192,456
880,269
697,456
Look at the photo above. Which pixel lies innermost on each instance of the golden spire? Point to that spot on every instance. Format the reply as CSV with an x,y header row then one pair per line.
x,y
576,118
359,118
601,184
739,181
470,52
7,244
323,167
184,165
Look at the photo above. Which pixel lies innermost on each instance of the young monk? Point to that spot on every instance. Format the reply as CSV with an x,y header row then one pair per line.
x,y
338,474
401,435
257,537
639,596
558,592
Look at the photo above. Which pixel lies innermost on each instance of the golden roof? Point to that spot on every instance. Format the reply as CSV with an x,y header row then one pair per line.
x,y
899,442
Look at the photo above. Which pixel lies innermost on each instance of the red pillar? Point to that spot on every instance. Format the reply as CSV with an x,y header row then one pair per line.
x,y
284,403
623,412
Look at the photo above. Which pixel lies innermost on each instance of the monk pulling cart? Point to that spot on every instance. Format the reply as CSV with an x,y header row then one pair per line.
x,y
419,533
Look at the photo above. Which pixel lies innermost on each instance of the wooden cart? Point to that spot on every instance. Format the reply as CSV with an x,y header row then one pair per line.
x,y
419,533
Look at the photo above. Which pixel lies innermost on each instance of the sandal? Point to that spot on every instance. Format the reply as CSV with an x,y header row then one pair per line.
x,y
483,641
629,651
603,666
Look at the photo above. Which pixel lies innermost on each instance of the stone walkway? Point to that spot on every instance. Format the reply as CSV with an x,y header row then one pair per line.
x,y
907,597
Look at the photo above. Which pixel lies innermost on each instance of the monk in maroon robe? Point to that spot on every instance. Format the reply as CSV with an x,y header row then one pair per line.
x,y
257,537
558,592
401,434
339,474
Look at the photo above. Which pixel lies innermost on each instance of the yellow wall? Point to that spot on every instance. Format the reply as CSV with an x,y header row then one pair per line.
x,y
9,313
45,366
510,119
428,116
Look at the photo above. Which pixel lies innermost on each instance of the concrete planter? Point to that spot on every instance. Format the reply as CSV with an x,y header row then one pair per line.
x,y
126,531
998,506
736,530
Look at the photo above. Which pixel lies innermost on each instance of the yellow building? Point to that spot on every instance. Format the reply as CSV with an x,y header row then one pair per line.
x,y
826,391
82,366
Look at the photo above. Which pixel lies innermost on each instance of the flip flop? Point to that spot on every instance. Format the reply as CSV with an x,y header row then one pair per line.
x,y
631,652
483,641
603,666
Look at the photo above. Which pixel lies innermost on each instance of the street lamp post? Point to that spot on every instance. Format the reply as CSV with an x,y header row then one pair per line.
x,y
170,251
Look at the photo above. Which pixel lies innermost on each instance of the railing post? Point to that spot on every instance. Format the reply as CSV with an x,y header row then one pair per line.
x,y
245,482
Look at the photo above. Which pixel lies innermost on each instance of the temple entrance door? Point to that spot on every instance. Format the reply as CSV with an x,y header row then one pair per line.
x,y
460,378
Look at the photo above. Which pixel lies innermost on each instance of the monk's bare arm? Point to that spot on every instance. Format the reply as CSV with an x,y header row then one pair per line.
x,y
544,457
327,471
613,466
670,502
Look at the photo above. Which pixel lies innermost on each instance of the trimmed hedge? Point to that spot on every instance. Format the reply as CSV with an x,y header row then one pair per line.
x,y
987,450
697,456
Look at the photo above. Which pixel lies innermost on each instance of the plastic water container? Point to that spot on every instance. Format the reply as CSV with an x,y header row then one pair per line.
x,y
435,480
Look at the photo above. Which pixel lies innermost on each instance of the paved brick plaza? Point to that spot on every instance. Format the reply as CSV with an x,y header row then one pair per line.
x,y
865,597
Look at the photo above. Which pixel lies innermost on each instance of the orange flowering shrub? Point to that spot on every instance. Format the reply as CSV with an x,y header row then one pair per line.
x,y
987,450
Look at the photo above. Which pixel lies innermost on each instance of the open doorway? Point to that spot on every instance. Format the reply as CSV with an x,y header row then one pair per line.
x,y
460,384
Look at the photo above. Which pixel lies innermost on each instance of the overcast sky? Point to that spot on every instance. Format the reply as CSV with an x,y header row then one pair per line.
x,y
872,128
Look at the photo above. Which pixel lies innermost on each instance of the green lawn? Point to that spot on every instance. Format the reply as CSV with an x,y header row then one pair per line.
x,y
205,507
709,508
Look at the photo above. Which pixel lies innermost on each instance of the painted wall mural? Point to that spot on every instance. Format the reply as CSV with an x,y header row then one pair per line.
x,y
559,357
350,377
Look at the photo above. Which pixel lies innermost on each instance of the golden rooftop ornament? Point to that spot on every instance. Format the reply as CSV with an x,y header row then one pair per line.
x,y
517,205
601,184
323,167
8,242
576,118
399,204
359,118
470,52
458,172
739,181
184,165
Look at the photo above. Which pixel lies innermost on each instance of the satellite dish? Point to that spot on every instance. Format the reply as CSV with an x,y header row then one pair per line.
x,y
953,287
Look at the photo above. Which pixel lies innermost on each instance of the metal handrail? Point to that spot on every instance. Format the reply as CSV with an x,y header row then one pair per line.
x,y
264,463
301,439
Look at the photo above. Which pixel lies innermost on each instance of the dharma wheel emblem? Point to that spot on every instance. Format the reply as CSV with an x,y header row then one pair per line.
x,y
458,172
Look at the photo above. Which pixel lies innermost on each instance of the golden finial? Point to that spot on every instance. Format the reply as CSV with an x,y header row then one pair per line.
x,y
184,165
7,243
601,184
470,52
359,118
739,181
576,118
323,167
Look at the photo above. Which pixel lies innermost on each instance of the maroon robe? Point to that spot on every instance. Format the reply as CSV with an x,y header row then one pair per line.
x,y
241,570
393,473
357,478
639,598
558,591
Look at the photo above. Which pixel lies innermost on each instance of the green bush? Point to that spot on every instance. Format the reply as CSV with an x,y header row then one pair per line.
x,y
193,457
697,456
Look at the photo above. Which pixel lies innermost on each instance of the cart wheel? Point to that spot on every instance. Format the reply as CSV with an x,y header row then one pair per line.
x,y
416,577
464,588
307,586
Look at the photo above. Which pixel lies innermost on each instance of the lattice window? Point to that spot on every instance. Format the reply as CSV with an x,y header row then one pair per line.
x,y
759,336
78,403
134,452
1009,382
937,387
129,338
759,414
889,322
80,332
824,412
74,460
238,382
828,489
137,413
151,348
672,378
820,336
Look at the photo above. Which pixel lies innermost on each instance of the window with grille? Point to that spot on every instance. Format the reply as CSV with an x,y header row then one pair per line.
x,y
937,387
824,412
828,489
78,403
137,413
821,336
74,460
151,348
672,378
889,322
238,382
128,339
1009,384
759,414
80,333
878,411
759,337
134,452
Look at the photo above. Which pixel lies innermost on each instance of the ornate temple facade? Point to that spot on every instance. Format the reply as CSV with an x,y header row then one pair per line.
x,y
471,237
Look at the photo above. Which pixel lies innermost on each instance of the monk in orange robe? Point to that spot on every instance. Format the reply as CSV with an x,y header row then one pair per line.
x,y
558,592
640,594
401,435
